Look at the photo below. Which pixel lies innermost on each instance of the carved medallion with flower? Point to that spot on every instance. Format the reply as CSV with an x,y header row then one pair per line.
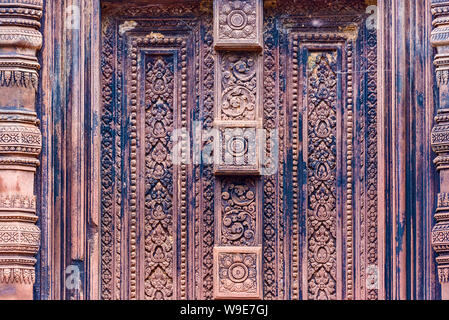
x,y
237,149
237,272
237,19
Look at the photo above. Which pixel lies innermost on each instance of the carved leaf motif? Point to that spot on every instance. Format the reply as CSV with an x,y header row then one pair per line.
x,y
238,213
321,173
238,100
159,178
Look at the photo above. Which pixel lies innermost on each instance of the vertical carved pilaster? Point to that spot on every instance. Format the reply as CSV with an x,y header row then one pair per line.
x,y
20,145
440,140
238,121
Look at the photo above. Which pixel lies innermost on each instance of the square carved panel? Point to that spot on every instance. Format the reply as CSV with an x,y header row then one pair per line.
x,y
238,24
237,209
237,273
237,151
238,80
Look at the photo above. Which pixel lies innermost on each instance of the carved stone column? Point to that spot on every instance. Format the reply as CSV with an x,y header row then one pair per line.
x,y
440,140
20,145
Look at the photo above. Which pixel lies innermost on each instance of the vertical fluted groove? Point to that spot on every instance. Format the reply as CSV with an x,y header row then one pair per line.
x,y
20,145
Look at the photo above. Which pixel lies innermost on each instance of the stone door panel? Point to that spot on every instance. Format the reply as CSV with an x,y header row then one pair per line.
x,y
239,151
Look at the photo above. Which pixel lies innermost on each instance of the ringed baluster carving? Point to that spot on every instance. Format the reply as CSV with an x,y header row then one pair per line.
x,y
20,145
440,140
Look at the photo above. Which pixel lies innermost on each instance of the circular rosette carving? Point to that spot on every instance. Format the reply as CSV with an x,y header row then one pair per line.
x,y
237,146
238,272
238,20
238,103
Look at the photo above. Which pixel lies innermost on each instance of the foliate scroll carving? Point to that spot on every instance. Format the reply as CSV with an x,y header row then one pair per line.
x,y
20,142
237,114
440,136
321,175
239,85
238,24
238,223
238,118
159,251
237,272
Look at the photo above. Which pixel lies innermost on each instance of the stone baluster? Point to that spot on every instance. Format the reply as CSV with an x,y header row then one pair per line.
x,y
440,140
20,145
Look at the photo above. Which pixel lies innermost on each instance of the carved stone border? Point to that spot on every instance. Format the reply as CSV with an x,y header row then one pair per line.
x,y
199,284
136,42
344,43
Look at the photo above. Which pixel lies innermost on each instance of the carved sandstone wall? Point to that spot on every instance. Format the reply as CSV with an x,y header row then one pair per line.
x,y
368,238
